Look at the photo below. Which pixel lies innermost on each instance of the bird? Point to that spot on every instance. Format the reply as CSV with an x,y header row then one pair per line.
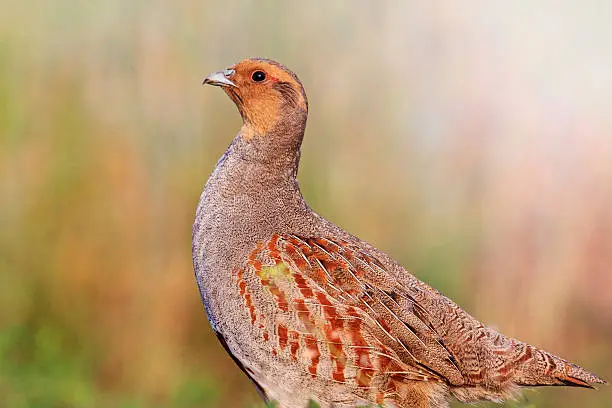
x,y
311,312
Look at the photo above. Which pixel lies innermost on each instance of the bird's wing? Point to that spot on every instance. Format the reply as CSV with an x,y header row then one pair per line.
x,y
342,315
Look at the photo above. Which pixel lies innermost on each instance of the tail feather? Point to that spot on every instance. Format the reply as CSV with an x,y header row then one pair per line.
x,y
537,367
510,364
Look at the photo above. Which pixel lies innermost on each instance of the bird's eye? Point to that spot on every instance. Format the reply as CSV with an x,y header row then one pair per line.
x,y
258,76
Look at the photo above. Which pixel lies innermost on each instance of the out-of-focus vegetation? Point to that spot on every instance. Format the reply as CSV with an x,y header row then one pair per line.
x,y
471,141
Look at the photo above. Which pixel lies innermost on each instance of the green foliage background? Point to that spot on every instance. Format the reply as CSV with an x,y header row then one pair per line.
x,y
473,142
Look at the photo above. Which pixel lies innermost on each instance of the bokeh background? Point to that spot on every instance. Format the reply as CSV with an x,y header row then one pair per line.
x,y
471,140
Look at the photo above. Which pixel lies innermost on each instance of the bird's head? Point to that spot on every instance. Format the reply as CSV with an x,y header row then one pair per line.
x,y
266,93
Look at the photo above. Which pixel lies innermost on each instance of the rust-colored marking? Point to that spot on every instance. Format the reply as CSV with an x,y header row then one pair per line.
x,y
359,272
283,337
506,369
339,254
383,362
303,286
304,247
313,352
304,314
241,282
281,299
317,272
383,324
503,370
337,354
318,250
360,267
476,378
246,296
249,303
336,325
332,333
255,252
330,264
273,248
364,364
398,378
338,373
242,287
364,377
327,245
294,343
528,355
391,387
299,261
266,336
551,365
328,308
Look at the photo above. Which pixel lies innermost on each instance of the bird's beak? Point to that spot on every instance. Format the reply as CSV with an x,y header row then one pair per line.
x,y
220,78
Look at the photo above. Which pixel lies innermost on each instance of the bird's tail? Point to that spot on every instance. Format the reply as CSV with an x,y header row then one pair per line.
x,y
535,367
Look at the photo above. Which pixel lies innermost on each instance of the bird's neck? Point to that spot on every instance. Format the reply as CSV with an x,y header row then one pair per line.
x,y
270,157
261,169
247,167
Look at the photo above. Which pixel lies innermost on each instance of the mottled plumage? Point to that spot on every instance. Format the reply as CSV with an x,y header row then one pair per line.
x,y
311,312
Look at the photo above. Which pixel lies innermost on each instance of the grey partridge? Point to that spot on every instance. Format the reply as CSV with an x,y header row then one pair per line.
x,y
311,312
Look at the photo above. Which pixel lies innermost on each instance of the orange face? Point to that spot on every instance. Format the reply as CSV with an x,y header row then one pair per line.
x,y
263,91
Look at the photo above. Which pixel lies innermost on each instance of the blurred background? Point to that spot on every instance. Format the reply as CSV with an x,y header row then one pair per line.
x,y
471,140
